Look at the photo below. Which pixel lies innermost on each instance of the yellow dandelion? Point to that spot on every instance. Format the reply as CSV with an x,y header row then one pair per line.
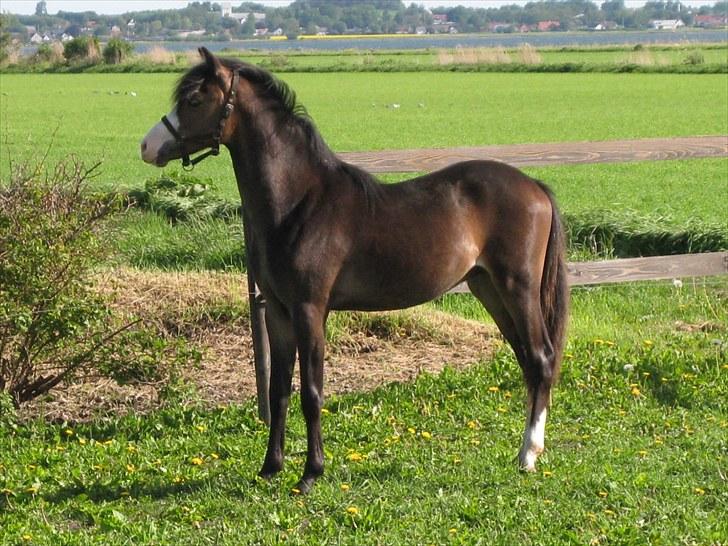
x,y
472,424
355,456
547,473
96,467
426,435
108,442
131,449
214,456
475,442
345,487
609,512
659,441
60,448
324,411
648,343
507,394
501,409
6,491
609,343
603,494
411,430
725,366
68,432
635,392
599,342
452,530
494,388
200,428
457,460
124,494
548,501
197,461
699,491
295,490
177,479
32,490
642,453
27,537
130,468
352,510
646,374
82,441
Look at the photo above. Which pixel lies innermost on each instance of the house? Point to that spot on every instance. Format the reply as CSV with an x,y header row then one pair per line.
x,y
545,26
439,19
711,21
36,39
667,24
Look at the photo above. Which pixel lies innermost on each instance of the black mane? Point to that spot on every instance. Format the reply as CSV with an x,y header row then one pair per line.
x,y
292,113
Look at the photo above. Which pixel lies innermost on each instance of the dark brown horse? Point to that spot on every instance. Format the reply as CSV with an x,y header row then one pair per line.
x,y
326,235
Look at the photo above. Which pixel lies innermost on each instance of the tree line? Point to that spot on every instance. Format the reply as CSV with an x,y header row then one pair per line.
x,y
345,16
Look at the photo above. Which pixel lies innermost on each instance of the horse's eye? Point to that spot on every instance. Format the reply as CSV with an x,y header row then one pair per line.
x,y
195,99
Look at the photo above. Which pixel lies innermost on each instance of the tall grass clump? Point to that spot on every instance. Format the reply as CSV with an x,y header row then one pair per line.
x,y
157,55
527,54
83,49
54,326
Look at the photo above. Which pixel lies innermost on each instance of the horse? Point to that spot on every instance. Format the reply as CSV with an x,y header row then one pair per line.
x,y
326,235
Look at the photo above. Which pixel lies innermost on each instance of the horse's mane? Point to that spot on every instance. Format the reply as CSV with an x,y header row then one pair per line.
x,y
292,112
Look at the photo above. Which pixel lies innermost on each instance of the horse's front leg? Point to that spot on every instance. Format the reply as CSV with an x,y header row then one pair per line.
x,y
309,323
283,357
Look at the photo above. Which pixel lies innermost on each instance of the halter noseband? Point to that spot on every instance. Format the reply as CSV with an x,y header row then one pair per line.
x,y
216,136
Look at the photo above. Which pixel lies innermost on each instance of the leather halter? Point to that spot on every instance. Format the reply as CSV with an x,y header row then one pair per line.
x,y
216,136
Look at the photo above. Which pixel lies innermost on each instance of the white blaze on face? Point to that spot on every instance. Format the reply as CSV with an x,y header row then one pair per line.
x,y
157,137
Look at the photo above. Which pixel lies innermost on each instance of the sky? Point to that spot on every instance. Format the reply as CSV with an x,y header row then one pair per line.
x,y
112,7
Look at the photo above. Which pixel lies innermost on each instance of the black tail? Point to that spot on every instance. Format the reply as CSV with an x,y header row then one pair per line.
x,y
555,287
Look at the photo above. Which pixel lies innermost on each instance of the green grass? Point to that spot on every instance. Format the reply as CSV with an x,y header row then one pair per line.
x,y
634,453
97,117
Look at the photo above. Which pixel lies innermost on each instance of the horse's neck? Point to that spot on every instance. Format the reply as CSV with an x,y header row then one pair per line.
x,y
273,175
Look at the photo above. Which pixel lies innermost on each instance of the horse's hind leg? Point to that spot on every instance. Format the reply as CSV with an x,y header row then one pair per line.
x,y
513,300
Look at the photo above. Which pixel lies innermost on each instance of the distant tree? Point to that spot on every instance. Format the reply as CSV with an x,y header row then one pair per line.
x,y
41,8
248,26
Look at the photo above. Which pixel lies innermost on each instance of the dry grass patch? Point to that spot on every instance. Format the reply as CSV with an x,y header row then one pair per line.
x,y
210,311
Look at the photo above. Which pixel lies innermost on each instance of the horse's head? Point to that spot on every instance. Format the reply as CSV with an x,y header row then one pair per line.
x,y
204,99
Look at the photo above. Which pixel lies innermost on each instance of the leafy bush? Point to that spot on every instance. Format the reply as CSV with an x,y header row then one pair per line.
x,y
694,57
83,48
53,325
49,53
117,50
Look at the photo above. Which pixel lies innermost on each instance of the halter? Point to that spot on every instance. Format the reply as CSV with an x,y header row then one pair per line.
x,y
216,136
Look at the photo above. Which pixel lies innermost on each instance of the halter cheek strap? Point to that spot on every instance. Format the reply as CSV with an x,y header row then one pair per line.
x,y
216,136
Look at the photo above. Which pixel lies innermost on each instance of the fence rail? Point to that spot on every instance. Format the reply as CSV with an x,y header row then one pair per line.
x,y
536,155
641,269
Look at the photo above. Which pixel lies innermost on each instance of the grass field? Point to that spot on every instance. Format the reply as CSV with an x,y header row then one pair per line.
x,y
637,448
636,452
98,117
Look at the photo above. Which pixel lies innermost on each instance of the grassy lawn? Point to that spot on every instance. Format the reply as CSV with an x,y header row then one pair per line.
x,y
636,447
104,116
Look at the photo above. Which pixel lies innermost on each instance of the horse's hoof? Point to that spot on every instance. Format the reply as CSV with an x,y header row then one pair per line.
x,y
304,486
268,472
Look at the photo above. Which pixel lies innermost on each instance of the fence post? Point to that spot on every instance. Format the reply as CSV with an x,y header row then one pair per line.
x,y
261,345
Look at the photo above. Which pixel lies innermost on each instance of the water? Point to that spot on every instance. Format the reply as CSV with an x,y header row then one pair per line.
x,y
542,39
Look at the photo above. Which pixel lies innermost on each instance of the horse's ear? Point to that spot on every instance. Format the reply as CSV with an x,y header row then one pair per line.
x,y
213,63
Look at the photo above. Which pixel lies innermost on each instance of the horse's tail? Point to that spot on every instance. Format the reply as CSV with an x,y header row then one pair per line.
x,y
555,287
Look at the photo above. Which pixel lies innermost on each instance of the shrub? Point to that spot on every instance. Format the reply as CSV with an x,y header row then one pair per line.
x,y
49,53
82,48
117,50
53,325
694,58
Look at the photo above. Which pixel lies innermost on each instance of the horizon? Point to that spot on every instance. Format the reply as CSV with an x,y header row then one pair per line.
x,y
118,7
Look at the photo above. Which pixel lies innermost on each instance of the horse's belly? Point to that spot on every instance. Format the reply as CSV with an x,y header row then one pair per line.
x,y
381,288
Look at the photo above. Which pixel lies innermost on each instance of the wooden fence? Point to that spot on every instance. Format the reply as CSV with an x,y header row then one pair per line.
x,y
531,155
